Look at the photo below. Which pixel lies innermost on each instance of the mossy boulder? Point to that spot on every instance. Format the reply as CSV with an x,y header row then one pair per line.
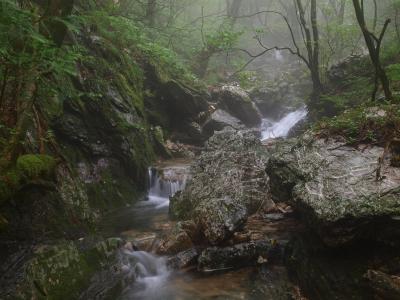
x,y
61,270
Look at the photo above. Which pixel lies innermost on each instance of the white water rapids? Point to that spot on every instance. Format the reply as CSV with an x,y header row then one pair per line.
x,y
271,129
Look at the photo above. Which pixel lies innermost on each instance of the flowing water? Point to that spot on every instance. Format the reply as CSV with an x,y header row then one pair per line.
x,y
271,129
147,276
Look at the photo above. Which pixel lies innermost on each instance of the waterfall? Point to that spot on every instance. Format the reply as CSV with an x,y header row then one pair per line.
x,y
281,128
165,183
147,274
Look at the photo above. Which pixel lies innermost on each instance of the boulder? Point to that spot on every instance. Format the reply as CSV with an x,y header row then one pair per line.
x,y
217,259
179,239
87,268
183,259
336,190
218,121
238,103
228,185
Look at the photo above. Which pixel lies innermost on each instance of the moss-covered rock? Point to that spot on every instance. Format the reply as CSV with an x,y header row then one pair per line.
x,y
34,165
61,270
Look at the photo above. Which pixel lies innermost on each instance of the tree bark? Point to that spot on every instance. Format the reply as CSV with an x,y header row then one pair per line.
x,y
374,46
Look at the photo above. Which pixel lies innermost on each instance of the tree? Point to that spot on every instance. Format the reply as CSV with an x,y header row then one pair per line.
x,y
312,45
151,9
221,40
374,44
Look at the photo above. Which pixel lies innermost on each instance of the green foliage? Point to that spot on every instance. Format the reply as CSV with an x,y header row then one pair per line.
x,y
223,39
393,71
247,79
32,166
28,167
376,124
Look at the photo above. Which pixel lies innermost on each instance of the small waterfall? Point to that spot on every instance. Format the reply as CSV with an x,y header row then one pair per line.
x,y
147,274
165,183
271,129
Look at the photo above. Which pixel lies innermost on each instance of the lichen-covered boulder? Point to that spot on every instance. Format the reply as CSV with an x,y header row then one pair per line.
x,y
228,185
336,190
238,103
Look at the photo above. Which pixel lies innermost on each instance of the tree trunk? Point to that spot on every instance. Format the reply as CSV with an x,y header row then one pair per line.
x,y
312,46
374,45
151,12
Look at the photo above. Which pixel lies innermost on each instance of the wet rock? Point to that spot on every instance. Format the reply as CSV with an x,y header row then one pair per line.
x,y
60,270
219,218
183,259
238,103
180,238
384,285
228,185
336,191
219,120
217,259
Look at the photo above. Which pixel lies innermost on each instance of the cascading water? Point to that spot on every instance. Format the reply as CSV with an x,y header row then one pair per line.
x,y
147,274
281,128
165,183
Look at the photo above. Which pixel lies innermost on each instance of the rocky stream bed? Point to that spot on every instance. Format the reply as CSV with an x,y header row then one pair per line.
x,y
297,218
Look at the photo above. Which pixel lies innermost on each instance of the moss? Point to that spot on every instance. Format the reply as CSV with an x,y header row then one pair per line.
x,y
378,125
32,166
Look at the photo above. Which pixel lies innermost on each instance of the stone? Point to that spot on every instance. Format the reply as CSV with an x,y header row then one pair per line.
x,y
216,259
229,183
183,259
238,103
335,189
179,239
218,120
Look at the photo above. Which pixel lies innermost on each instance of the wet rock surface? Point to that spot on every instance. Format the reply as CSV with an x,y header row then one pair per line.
x,y
61,269
217,259
336,191
228,185
237,102
219,120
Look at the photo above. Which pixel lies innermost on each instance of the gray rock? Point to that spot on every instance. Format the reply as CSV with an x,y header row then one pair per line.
x,y
336,191
229,184
238,103
183,259
217,259
218,121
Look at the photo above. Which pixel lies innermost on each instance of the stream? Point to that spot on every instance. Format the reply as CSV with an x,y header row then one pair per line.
x,y
148,276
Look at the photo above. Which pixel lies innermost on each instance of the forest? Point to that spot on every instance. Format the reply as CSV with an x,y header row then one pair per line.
x,y
200,149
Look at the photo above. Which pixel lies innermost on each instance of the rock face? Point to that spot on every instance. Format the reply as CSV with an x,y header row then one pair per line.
x,y
238,103
336,191
229,184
